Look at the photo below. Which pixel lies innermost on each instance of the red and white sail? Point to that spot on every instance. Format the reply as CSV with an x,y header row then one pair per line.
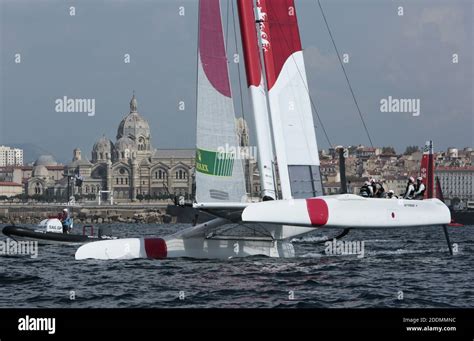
x,y
219,173
427,169
292,120
255,83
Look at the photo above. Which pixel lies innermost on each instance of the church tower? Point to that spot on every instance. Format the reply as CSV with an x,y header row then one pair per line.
x,y
133,135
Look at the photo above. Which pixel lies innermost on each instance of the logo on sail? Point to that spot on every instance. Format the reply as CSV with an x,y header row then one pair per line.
x,y
262,17
214,163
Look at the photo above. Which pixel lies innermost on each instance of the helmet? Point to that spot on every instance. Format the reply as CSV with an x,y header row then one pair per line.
x,y
65,210
419,178
391,191
411,179
372,180
367,183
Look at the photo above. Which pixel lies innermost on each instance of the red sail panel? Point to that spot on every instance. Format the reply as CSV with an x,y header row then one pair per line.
x,y
249,42
439,192
279,33
211,46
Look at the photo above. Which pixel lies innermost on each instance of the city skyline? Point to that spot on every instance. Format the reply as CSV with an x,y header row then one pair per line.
x,y
86,60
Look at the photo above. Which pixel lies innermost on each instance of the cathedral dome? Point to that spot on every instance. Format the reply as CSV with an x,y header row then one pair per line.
x,y
40,171
103,144
125,143
125,148
45,160
102,150
135,127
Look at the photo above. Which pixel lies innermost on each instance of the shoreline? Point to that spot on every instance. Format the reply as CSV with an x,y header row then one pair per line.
x,y
27,213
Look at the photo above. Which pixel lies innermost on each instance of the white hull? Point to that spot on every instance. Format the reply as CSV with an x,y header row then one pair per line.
x,y
200,248
350,211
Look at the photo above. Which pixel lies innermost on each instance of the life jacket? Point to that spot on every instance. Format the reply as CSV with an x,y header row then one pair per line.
x,y
409,192
365,191
422,192
378,189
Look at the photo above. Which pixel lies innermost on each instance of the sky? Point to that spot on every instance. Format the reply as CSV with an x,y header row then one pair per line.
x,y
82,56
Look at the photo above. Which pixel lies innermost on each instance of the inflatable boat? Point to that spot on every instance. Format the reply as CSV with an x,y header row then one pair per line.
x,y
51,231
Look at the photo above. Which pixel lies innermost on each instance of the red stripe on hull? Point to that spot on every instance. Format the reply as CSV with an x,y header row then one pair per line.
x,y
155,248
318,211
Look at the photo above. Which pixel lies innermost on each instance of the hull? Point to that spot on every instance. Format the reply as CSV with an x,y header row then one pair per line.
x,y
24,233
169,247
350,211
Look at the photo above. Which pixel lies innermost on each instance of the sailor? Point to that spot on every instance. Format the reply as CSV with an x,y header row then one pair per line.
x,y
391,195
410,190
419,189
367,190
378,189
66,221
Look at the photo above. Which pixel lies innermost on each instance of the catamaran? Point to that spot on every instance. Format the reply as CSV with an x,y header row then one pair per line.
x,y
287,154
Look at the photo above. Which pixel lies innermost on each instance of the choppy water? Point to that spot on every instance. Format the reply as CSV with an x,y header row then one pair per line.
x,y
416,263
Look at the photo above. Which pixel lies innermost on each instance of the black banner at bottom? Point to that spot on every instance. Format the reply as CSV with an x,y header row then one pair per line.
x,y
410,323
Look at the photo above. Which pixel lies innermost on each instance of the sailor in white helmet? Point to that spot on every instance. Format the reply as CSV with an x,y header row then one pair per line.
x,y
391,194
419,189
410,190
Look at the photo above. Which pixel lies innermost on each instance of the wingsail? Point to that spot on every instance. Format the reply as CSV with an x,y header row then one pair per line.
x,y
290,106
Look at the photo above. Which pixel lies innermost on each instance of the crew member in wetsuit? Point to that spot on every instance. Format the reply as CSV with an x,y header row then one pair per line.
x,y
378,189
410,190
366,190
65,220
419,189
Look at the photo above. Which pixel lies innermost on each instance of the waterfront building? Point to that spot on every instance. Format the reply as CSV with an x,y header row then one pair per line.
x,y
11,156
10,189
456,182
131,167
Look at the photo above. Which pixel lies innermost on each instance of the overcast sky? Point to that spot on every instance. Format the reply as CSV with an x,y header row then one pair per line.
x,y
82,56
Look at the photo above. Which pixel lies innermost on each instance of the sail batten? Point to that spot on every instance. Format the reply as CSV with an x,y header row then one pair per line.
x,y
219,174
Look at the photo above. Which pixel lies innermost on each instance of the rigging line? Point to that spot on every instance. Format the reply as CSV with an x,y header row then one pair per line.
x,y
227,26
247,161
305,85
345,74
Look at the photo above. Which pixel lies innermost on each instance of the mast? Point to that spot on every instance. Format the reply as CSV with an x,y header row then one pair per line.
x,y
255,83
290,107
342,169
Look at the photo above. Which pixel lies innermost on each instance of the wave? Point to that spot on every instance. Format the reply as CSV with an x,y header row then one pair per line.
x,y
403,251
312,239
311,255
